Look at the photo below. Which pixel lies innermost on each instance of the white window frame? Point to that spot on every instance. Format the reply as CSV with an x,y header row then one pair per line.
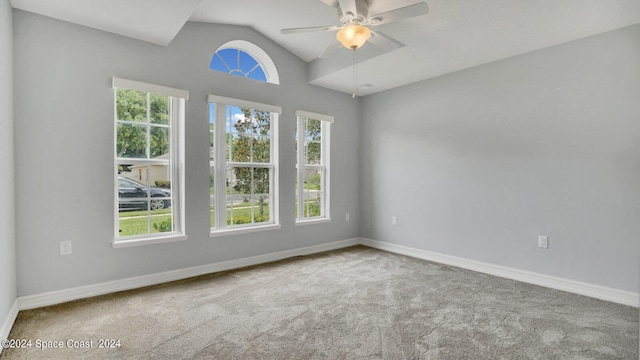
x,y
259,55
177,99
220,165
301,166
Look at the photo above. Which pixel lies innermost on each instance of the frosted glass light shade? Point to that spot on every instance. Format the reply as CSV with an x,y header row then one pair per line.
x,y
353,36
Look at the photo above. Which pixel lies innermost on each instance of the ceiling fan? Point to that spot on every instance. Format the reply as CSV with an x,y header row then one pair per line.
x,y
355,21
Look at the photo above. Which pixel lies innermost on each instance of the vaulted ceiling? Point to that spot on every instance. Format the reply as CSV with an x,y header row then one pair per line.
x,y
454,35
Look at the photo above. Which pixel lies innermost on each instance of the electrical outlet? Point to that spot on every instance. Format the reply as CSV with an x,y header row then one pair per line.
x,y
346,217
543,242
65,247
394,220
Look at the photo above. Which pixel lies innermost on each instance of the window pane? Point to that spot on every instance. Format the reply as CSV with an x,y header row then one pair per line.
x,y
261,206
313,152
159,188
161,224
131,105
238,211
212,153
262,122
230,141
258,74
212,190
230,58
313,129
247,63
212,211
241,148
131,141
261,180
132,223
261,149
296,144
296,195
132,203
159,109
159,142
313,192
239,180
238,120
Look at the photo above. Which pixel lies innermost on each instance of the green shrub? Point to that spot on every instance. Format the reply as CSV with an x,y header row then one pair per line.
x,y
240,220
312,209
163,226
163,184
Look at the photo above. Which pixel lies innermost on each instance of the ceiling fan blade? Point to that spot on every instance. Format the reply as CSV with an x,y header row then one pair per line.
x,y
402,13
384,41
332,49
348,6
308,29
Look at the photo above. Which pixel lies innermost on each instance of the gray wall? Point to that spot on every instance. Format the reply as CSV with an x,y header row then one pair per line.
x,y
64,150
478,163
7,219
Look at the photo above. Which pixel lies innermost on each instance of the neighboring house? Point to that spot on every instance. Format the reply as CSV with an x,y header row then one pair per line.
x,y
155,172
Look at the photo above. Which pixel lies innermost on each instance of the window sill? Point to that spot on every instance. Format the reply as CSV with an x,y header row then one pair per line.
x,y
117,244
225,232
312,221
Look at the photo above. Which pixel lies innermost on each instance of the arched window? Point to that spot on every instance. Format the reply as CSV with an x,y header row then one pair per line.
x,y
242,58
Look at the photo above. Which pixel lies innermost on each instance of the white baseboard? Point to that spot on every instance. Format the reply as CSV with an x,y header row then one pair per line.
x,y
60,296
577,287
7,324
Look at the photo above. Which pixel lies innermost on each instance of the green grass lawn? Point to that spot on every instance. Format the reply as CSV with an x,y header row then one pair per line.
x,y
140,225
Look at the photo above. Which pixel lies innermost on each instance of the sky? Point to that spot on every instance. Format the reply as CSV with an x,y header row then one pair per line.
x,y
237,62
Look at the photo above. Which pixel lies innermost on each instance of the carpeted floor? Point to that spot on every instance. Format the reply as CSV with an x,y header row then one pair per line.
x,y
356,303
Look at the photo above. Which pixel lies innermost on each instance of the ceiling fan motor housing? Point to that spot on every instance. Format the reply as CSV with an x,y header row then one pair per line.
x,y
360,18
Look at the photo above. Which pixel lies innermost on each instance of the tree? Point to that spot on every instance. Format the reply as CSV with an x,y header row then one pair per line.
x,y
131,106
252,145
312,138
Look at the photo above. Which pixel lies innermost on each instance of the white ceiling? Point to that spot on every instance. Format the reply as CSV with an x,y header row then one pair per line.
x,y
455,35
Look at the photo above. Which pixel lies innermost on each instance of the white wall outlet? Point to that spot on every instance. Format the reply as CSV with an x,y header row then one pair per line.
x,y
346,217
543,241
394,220
65,247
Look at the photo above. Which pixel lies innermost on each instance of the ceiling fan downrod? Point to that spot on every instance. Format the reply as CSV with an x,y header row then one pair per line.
x,y
355,73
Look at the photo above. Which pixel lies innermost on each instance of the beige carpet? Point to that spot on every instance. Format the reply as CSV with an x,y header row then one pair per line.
x,y
356,303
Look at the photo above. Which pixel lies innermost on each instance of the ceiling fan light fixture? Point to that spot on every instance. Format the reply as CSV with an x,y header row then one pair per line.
x,y
353,36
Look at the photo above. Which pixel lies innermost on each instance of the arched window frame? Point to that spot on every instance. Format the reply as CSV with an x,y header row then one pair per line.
x,y
259,55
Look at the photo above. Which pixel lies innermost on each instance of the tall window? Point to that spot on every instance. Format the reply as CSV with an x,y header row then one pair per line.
x,y
148,170
312,153
242,159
